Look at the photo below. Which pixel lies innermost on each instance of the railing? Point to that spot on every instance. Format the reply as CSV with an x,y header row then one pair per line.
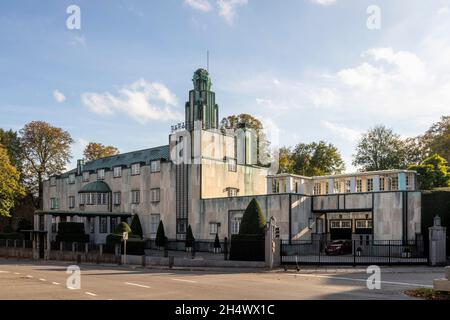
x,y
180,245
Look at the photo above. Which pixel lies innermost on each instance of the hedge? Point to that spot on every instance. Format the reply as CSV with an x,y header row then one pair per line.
x,y
247,247
71,232
436,202
12,236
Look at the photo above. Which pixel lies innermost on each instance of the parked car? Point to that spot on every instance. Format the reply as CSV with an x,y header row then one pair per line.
x,y
337,247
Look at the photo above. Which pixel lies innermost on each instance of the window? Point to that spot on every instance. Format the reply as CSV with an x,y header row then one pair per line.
x,y
232,165
236,224
54,203
82,199
113,223
336,186
363,224
90,198
117,172
155,166
341,224
327,187
155,195
135,169
102,198
381,183
91,225
53,181
213,228
86,176
317,188
103,225
275,186
232,192
117,198
348,186
54,224
154,223
71,202
72,178
135,196
296,187
358,185
394,183
101,174
370,184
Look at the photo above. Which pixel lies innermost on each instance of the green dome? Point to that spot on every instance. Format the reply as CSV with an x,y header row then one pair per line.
x,y
95,187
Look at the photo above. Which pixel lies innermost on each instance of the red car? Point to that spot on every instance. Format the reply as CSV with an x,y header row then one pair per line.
x,y
339,247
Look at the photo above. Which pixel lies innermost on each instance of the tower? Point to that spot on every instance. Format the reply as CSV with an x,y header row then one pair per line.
x,y
202,103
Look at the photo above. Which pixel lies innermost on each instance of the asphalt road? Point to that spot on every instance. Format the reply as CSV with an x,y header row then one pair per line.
x,y
47,280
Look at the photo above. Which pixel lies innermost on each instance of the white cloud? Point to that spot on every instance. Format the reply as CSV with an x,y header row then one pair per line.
x,y
201,5
324,2
142,101
77,41
227,8
343,132
59,96
443,11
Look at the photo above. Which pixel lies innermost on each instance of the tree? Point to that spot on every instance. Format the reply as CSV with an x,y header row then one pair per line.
x,y
121,228
253,220
380,149
10,140
160,235
286,163
10,188
432,173
189,237
136,228
316,159
246,121
46,151
437,139
94,151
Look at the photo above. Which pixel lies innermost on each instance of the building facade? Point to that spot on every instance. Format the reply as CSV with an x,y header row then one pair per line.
x,y
206,176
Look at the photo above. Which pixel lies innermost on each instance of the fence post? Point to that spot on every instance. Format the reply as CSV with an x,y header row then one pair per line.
x,y
101,249
225,248
389,259
354,253
86,248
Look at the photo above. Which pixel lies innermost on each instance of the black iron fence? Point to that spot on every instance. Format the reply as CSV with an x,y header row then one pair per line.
x,y
16,243
198,246
353,252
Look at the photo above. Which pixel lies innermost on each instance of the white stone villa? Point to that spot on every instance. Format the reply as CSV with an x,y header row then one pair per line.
x,y
205,178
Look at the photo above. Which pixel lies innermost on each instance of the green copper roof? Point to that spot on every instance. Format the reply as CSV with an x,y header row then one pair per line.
x,y
95,187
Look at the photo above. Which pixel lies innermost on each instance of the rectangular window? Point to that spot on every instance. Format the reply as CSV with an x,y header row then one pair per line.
x,y
86,176
370,184
71,202
317,188
232,192
236,224
54,203
135,196
101,174
336,186
103,225
275,186
135,169
113,223
327,187
72,178
358,185
394,183
155,166
155,195
92,225
213,228
232,166
102,198
82,199
117,198
53,181
154,223
90,198
363,224
381,183
117,172
348,186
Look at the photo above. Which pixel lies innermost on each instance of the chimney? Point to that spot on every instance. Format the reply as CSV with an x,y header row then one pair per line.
x,y
80,166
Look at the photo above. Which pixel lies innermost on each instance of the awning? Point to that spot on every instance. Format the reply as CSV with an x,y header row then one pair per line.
x,y
95,187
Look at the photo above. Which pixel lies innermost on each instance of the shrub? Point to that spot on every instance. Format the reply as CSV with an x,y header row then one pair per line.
x,y
160,240
247,247
136,228
217,242
189,237
253,221
71,232
121,228
8,229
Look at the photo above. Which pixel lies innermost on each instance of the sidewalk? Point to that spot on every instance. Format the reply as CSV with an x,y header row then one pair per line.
x,y
360,269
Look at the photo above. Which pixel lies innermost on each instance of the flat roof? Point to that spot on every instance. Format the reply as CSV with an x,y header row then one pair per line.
x,y
343,175
83,213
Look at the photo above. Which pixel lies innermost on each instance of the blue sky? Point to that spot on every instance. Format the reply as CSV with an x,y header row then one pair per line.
x,y
309,69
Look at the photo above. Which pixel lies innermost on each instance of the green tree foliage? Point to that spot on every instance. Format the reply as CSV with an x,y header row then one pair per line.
x,y
437,139
246,121
11,191
94,151
312,159
46,152
380,149
121,228
189,237
10,140
136,228
432,173
160,235
253,220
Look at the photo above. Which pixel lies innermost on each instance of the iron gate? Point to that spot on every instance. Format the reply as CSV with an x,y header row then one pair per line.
x,y
353,252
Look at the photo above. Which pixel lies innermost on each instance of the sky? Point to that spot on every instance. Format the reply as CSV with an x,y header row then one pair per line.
x,y
310,70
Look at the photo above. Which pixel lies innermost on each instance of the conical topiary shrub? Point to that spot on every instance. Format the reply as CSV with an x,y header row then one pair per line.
x,y
217,245
136,228
253,221
189,238
160,235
